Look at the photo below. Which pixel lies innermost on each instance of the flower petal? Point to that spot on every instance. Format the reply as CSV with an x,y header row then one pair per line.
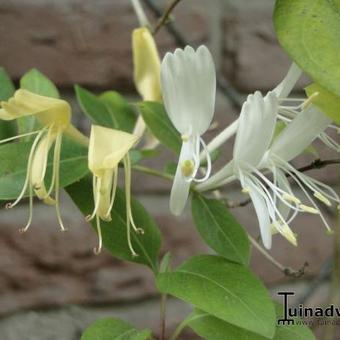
x,y
256,128
300,133
39,166
188,81
48,110
147,65
262,215
287,84
181,185
107,148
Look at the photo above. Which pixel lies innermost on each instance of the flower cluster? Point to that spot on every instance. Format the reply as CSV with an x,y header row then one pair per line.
x,y
261,158
185,81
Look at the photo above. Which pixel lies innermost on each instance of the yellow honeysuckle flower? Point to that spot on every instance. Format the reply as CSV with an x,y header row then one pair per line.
x,y
54,116
147,68
147,65
107,148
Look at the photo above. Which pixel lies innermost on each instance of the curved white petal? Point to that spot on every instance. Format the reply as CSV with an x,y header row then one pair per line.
x,y
300,133
179,193
188,80
262,215
181,185
256,128
287,84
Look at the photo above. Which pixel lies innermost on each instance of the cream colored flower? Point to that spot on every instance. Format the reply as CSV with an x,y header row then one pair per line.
x,y
108,147
54,116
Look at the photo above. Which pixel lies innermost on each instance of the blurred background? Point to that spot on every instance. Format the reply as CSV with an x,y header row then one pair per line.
x,y
51,284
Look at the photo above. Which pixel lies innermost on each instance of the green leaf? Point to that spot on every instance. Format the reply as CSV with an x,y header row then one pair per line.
x,y
120,110
7,89
212,328
291,332
160,125
224,289
73,166
109,109
110,329
309,32
114,232
38,83
220,230
165,263
137,155
326,101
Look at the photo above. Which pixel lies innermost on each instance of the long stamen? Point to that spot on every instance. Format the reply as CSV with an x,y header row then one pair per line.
x,y
127,167
28,174
98,249
56,159
129,218
57,179
44,165
297,180
208,158
28,224
19,136
96,191
276,190
113,192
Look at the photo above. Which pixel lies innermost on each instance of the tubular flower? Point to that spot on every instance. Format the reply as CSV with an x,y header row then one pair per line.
x,y
255,131
147,69
147,65
54,116
107,148
189,84
274,201
295,138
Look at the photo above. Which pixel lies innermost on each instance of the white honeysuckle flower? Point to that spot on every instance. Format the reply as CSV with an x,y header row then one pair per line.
x,y
255,132
274,201
293,140
188,80
281,91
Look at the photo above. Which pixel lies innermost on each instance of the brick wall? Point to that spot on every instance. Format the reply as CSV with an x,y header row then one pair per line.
x,y
88,42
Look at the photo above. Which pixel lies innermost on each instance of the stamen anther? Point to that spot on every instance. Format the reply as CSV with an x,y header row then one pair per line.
x,y
187,168
322,198
308,209
245,190
309,100
290,198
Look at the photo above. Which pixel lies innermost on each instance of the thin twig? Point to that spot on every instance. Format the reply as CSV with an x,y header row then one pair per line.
x,y
165,17
319,164
285,270
223,85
